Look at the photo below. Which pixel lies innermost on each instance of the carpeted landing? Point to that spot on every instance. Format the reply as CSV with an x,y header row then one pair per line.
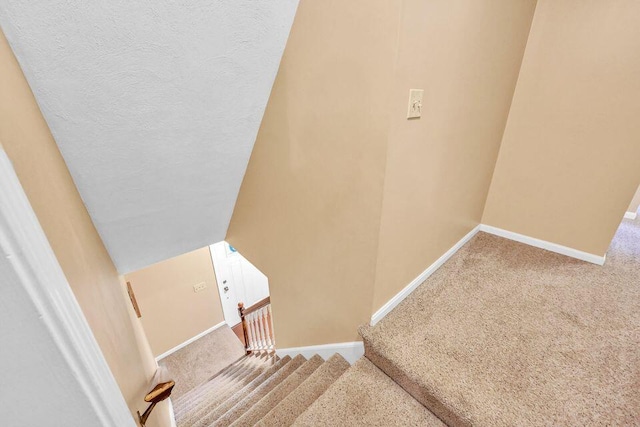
x,y
505,334
502,335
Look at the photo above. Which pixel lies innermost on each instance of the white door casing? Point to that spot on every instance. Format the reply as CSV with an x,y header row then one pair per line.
x,y
227,293
238,281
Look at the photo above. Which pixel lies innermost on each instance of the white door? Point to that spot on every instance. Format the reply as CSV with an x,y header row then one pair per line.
x,y
238,281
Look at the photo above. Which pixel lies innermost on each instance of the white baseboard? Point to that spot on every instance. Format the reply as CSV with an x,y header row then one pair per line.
x,y
543,244
631,215
189,341
531,241
397,299
351,351
172,414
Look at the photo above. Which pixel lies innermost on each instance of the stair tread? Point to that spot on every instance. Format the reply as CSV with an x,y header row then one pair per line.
x,y
224,373
231,370
218,386
259,392
285,412
202,359
215,396
235,386
365,396
213,412
281,391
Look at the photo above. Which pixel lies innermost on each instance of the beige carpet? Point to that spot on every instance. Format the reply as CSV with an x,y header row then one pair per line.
x,y
505,334
286,412
199,361
257,394
210,401
197,402
301,392
258,411
365,396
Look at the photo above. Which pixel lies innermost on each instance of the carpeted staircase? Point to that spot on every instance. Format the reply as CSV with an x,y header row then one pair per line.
x,y
264,390
502,335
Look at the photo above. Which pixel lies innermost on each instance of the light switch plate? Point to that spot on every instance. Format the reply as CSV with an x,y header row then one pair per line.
x,y
414,110
199,287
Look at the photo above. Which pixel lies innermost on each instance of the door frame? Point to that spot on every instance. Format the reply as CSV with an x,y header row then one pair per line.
x,y
26,254
221,282
245,286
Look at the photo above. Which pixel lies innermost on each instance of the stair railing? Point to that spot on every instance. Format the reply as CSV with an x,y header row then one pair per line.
x,y
159,393
257,325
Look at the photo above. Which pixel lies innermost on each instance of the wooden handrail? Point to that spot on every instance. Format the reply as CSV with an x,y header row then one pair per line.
x,y
159,393
255,307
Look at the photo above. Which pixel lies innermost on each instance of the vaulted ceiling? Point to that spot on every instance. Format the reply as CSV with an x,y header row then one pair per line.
x,y
155,107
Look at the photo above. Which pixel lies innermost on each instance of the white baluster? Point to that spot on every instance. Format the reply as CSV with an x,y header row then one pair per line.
x,y
265,317
273,335
252,346
263,333
257,327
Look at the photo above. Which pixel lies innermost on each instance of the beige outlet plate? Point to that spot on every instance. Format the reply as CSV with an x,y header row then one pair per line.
x,y
199,287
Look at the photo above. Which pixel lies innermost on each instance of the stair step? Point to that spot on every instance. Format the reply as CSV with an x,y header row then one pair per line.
x,y
234,387
192,396
285,412
218,377
211,413
365,396
259,392
275,396
232,370
202,360
215,387
215,396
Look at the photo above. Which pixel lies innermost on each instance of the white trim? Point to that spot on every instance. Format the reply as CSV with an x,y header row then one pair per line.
x,y
553,247
631,215
400,296
38,272
543,244
189,341
172,414
351,351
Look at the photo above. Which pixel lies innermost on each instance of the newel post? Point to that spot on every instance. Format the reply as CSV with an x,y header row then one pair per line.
x,y
244,326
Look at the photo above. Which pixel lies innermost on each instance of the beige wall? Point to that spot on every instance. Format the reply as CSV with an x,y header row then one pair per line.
x,y
635,202
308,213
570,156
171,311
466,56
84,260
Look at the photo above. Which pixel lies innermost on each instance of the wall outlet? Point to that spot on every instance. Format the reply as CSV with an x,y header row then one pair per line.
x,y
199,287
415,103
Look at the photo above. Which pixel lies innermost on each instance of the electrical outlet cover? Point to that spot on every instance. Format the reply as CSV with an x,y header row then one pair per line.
x,y
199,287
414,110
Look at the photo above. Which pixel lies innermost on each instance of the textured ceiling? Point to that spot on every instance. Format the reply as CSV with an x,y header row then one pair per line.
x,y
155,107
